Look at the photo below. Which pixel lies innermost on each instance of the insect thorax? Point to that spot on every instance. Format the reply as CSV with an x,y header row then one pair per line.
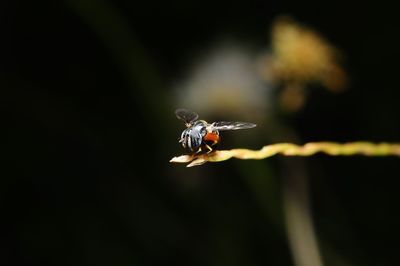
x,y
192,137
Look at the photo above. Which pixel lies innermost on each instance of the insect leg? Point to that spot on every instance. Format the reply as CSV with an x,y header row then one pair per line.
x,y
209,149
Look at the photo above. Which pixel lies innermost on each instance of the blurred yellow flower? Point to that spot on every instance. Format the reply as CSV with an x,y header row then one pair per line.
x,y
301,56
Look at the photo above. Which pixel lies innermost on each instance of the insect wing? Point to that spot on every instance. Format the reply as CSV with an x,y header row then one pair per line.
x,y
186,116
224,125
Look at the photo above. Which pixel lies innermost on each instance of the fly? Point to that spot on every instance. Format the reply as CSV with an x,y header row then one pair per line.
x,y
201,136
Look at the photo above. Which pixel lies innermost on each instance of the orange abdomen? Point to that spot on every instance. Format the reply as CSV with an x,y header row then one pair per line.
x,y
211,138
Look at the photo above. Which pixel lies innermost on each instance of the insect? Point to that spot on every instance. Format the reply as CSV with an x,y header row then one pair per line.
x,y
200,135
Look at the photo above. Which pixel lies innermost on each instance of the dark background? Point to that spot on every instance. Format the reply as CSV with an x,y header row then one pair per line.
x,y
88,136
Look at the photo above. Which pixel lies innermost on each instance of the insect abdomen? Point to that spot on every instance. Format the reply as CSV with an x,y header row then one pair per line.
x,y
211,138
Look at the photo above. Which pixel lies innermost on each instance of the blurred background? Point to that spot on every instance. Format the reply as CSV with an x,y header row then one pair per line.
x,y
88,93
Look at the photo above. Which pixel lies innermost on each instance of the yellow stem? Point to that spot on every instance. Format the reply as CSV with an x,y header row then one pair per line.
x,y
289,149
